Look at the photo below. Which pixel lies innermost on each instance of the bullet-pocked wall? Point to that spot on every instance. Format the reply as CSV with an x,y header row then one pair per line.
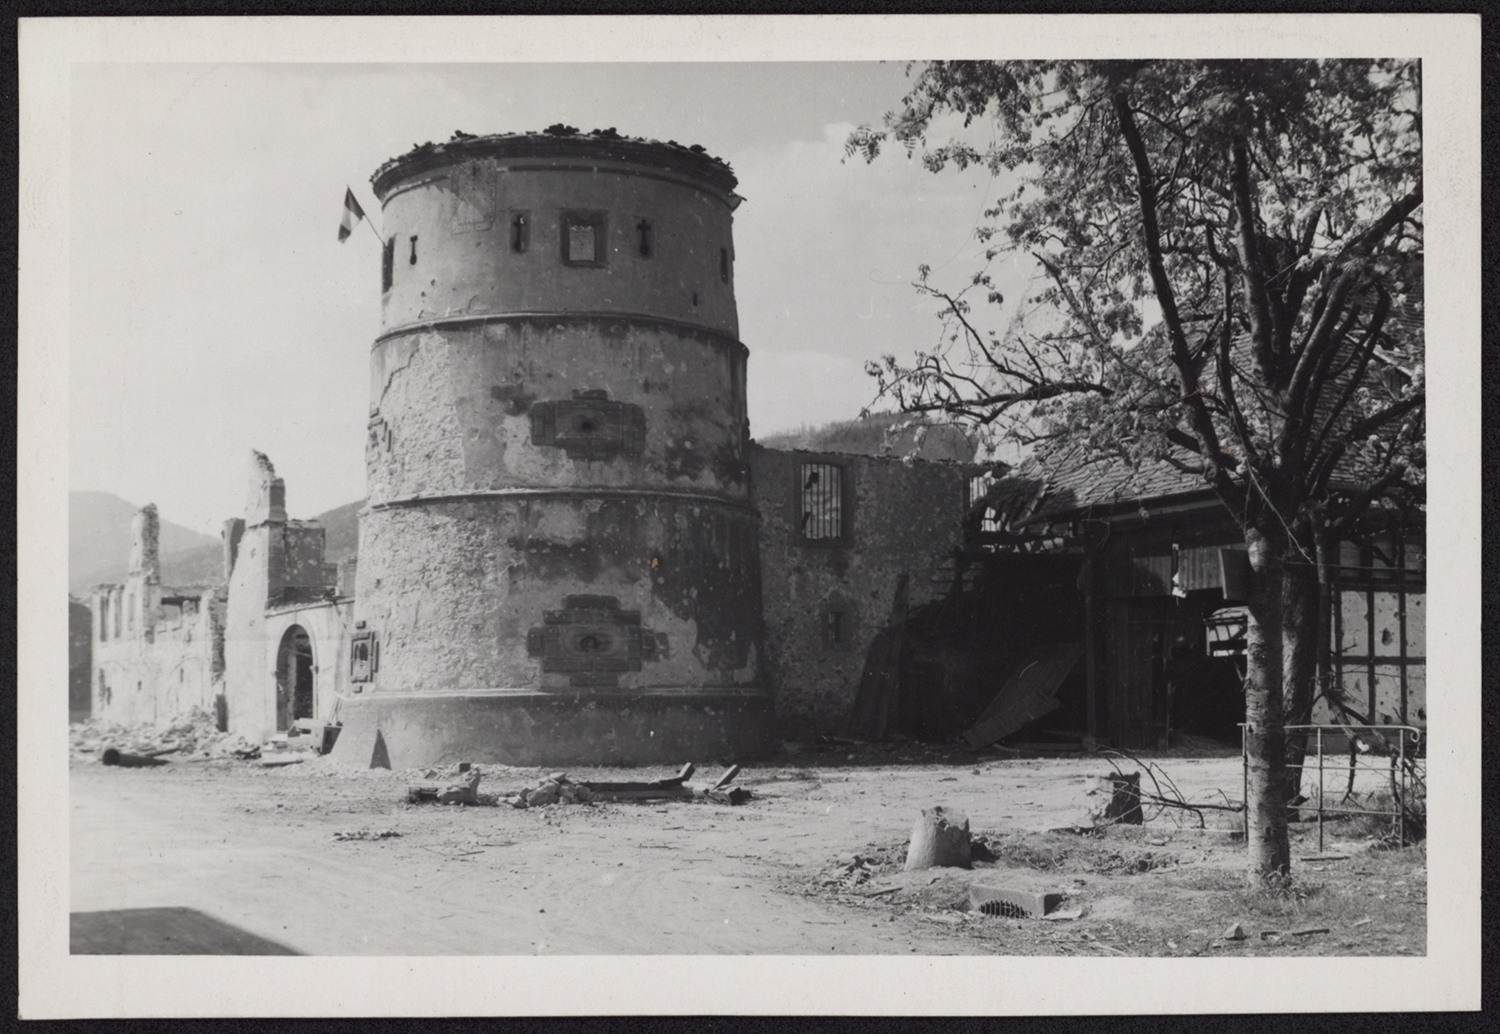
x,y
558,562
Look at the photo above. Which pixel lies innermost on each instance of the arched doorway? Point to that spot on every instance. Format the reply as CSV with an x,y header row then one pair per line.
x,y
294,678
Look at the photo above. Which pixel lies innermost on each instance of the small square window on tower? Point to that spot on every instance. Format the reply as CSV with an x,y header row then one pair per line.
x,y
583,238
822,506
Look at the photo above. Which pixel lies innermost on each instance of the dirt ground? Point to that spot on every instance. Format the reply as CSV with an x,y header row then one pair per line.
x,y
315,859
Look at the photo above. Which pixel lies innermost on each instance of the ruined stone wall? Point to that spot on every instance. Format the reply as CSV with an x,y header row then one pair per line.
x,y
278,568
302,550
826,598
141,677
327,625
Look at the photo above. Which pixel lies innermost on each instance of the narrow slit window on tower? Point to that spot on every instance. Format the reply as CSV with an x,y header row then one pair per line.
x,y
644,237
413,260
387,264
724,264
583,238
520,232
821,498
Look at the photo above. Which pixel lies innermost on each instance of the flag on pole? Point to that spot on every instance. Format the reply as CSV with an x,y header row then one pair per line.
x,y
352,214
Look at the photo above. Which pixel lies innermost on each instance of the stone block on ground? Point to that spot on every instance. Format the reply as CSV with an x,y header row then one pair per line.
x,y
940,837
1012,902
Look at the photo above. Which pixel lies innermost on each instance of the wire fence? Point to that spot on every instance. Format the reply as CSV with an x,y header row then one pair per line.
x,y
1389,753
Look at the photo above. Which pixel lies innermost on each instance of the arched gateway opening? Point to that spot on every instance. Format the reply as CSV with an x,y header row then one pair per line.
x,y
294,678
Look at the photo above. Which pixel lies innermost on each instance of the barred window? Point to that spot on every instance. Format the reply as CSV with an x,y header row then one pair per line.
x,y
822,498
978,486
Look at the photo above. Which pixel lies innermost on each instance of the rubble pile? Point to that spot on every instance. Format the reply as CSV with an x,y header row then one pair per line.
x,y
462,790
556,788
193,734
847,875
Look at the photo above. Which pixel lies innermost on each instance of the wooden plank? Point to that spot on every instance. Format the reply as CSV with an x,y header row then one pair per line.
x,y
1043,666
1028,694
1010,720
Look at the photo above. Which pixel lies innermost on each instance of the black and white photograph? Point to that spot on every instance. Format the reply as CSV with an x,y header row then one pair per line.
x,y
748,515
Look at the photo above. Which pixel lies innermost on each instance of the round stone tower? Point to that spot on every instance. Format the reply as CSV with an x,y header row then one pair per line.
x,y
558,563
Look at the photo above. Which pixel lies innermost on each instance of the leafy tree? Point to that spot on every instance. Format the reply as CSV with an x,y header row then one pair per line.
x,y
1233,254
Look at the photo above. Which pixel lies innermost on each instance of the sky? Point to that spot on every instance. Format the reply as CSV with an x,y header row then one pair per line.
x,y
213,310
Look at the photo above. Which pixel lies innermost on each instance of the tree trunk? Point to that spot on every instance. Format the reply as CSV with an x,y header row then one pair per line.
x,y
1301,651
1265,740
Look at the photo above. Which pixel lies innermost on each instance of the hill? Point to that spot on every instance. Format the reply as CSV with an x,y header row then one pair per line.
x,y
99,538
99,543
872,436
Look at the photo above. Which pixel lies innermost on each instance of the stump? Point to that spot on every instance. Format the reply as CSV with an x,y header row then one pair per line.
x,y
1109,800
940,837
1124,799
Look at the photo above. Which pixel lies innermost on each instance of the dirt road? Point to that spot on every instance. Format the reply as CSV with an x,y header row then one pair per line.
x,y
256,849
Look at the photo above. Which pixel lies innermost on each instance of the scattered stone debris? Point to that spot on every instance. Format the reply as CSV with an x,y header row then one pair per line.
x,y
848,874
366,834
191,736
557,788
1236,932
461,791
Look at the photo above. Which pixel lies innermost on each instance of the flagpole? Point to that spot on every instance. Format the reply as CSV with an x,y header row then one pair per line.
x,y
376,232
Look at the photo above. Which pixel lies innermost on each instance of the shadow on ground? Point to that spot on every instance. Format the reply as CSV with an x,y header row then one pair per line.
x,y
163,931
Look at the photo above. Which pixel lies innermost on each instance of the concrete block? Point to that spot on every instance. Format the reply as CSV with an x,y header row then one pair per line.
x,y
1011,901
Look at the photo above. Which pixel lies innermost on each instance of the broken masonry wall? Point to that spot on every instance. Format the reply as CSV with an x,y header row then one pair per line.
x,y
151,657
828,580
327,625
249,681
272,558
302,547
137,678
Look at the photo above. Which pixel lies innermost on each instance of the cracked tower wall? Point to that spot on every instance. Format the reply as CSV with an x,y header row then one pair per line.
x,y
558,561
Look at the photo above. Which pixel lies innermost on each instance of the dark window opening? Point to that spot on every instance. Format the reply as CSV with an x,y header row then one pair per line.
x,y
583,238
520,232
837,627
724,264
643,231
387,265
822,501
413,260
